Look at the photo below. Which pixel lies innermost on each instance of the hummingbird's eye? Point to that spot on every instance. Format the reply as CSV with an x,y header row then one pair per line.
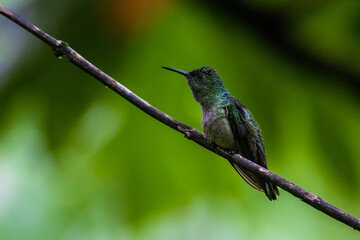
x,y
200,76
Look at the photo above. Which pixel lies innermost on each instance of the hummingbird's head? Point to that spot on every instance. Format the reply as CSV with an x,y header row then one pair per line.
x,y
204,82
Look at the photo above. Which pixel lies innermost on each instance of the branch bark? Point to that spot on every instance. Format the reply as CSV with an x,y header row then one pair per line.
x,y
62,49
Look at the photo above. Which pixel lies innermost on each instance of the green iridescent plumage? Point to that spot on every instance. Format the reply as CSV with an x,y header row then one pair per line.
x,y
228,124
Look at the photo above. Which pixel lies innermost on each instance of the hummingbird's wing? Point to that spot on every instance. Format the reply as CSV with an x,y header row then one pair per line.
x,y
250,145
246,133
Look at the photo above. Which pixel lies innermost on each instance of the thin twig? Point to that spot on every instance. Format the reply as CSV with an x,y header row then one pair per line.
x,y
64,50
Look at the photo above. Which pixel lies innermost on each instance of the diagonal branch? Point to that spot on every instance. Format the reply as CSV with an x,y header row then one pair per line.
x,y
62,49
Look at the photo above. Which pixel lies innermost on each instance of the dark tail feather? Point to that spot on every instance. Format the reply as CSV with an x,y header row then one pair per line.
x,y
270,189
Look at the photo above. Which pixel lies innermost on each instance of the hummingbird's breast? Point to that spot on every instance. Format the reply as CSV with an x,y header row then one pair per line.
x,y
217,128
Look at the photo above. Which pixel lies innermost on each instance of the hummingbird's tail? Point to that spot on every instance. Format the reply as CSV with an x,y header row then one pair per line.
x,y
270,189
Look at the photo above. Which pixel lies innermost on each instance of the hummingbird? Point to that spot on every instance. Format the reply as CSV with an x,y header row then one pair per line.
x,y
229,124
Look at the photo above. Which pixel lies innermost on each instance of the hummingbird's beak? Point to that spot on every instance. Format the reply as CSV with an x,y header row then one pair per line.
x,y
178,71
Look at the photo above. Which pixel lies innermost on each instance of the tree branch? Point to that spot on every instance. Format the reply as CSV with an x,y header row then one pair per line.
x,y
63,49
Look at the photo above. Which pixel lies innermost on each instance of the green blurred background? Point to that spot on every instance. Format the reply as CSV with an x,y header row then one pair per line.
x,y
79,162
